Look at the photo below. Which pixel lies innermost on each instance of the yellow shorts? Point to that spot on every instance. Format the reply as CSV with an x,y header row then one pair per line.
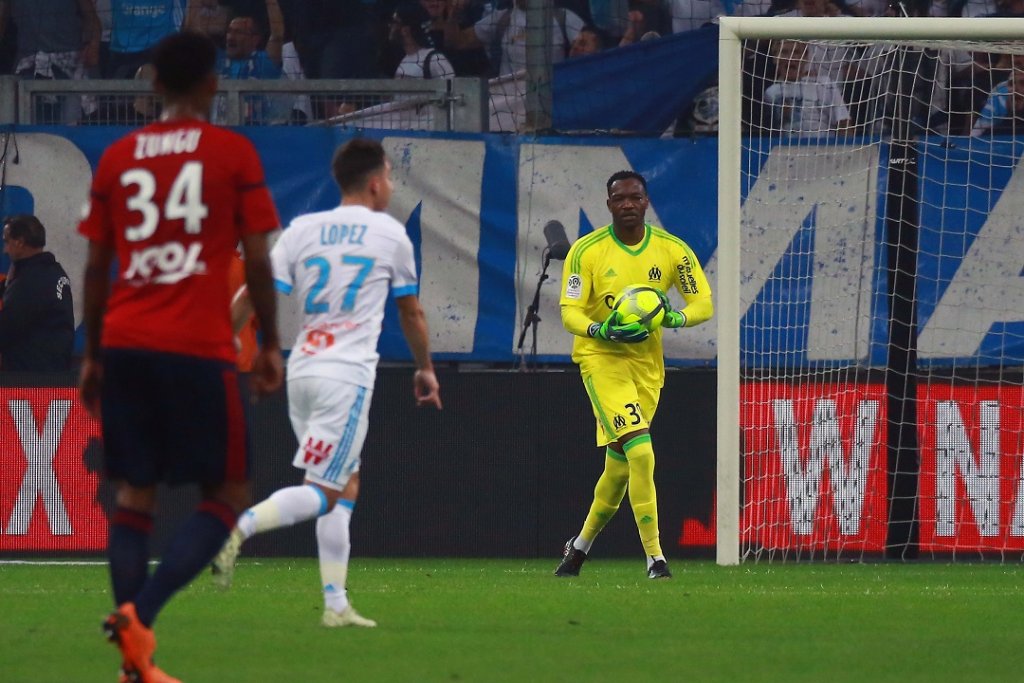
x,y
621,405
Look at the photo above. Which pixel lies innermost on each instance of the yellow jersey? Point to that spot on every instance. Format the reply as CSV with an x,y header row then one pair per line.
x,y
598,267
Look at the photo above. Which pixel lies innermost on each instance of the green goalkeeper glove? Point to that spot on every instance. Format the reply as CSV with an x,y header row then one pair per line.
x,y
673,318
612,330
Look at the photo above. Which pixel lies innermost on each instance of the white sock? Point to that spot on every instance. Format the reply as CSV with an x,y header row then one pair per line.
x,y
651,560
284,507
334,546
580,544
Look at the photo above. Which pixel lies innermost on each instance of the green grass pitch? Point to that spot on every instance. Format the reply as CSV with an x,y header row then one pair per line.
x,y
511,620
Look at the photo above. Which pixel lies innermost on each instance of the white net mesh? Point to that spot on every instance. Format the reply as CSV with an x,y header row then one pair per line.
x,y
882,300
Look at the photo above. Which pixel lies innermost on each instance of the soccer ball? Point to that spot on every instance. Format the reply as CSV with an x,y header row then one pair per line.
x,y
640,303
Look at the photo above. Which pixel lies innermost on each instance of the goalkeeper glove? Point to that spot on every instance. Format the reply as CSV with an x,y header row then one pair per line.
x,y
673,318
613,331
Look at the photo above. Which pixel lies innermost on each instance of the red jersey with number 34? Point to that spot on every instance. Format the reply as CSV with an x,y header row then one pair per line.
x,y
173,199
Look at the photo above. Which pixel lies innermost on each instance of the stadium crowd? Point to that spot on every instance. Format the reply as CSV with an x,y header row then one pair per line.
x,y
372,39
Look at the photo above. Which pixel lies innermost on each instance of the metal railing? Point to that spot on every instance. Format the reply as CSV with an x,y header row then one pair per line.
x,y
458,104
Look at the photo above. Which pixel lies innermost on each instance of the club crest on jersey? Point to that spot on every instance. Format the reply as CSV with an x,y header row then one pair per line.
x,y
574,287
619,422
164,264
654,274
316,451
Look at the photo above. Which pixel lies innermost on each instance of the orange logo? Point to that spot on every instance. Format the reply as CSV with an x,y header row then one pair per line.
x,y
316,341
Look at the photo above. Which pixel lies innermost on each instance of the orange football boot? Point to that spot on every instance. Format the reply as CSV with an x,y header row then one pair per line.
x,y
137,644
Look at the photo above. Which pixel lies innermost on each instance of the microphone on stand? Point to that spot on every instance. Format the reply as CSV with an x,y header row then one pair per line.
x,y
558,243
557,249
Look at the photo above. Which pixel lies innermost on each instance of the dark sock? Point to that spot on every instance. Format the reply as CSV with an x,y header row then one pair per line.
x,y
196,542
128,553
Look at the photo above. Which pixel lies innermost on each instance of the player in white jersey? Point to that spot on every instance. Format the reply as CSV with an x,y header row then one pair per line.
x,y
340,266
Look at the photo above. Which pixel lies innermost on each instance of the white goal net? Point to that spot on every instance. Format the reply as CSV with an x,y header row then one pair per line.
x,y
870,289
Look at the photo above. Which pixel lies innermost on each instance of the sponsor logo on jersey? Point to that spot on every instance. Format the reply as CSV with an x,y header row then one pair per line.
x,y
61,284
611,273
316,451
654,274
687,281
322,337
165,264
317,340
574,287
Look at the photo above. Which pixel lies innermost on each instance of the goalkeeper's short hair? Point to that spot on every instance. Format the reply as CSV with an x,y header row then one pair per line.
x,y
625,175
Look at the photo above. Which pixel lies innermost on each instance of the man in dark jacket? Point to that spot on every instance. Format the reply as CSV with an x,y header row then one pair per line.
x,y
37,321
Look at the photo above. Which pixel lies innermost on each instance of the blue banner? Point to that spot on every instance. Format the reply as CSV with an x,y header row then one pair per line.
x,y
611,90
475,207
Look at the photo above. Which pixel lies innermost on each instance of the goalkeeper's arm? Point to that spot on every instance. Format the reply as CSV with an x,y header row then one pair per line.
x,y
577,322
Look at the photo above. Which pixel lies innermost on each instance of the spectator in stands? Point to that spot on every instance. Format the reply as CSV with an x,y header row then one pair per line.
x,y
249,54
208,17
929,88
336,38
689,15
656,16
37,321
872,8
57,40
502,31
808,8
471,61
611,16
136,26
408,28
246,55
971,8
645,23
1008,8
831,61
103,11
580,8
589,41
506,30
291,69
800,102
1003,113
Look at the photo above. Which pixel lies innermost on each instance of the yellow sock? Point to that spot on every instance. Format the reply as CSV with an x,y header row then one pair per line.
x,y
642,496
608,493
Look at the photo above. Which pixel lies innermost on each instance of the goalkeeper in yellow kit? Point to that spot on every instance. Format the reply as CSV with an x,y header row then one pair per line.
x,y
623,366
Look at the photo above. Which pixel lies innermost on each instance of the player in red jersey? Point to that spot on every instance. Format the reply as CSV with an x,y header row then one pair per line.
x,y
171,201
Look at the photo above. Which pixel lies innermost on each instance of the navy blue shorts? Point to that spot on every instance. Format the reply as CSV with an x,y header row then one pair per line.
x,y
172,418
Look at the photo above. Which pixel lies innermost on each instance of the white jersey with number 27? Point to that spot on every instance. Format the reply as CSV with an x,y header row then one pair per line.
x,y
340,266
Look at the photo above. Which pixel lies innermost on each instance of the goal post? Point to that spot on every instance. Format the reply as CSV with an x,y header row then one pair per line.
x,y
869,288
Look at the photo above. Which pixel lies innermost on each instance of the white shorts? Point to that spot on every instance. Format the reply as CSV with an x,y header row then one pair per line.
x,y
330,419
